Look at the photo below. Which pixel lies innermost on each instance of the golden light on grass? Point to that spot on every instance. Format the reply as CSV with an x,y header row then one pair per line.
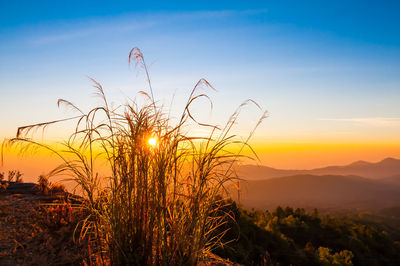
x,y
152,141
147,208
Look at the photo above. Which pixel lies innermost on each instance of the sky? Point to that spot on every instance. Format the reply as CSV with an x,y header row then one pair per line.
x,y
327,72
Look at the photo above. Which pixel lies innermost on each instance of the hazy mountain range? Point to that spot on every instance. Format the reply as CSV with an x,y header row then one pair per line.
x,y
360,185
383,169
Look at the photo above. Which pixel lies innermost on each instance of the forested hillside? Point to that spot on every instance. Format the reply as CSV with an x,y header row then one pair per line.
x,y
288,236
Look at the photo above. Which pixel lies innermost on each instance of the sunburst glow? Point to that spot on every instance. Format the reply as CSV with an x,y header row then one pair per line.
x,y
152,141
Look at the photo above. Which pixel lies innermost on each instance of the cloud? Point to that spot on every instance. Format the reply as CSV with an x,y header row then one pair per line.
x,y
62,37
70,30
369,121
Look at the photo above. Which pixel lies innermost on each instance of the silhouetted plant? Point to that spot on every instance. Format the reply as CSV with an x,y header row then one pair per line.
x,y
159,201
3,185
18,177
57,188
11,175
43,184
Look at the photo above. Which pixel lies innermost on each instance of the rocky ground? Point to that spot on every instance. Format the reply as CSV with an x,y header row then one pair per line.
x,y
31,234
37,229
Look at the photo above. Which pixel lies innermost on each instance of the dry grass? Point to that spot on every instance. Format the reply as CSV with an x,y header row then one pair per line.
x,y
13,175
43,184
155,204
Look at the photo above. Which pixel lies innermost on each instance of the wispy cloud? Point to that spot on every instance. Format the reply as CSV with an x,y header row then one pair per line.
x,y
71,30
370,121
59,37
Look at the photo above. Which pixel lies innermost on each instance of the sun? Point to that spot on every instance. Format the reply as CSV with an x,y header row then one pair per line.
x,y
152,141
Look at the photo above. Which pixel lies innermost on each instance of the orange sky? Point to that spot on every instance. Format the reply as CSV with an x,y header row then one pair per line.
x,y
286,155
312,155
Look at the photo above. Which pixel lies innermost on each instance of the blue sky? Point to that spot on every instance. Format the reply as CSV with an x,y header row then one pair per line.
x,y
326,71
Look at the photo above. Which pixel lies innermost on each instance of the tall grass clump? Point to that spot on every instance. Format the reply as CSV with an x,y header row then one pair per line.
x,y
14,175
159,199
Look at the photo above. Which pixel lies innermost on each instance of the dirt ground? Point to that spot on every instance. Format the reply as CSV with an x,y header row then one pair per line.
x,y
29,236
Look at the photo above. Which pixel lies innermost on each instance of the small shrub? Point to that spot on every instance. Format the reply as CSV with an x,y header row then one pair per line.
x,y
18,177
59,214
57,188
3,186
43,184
11,175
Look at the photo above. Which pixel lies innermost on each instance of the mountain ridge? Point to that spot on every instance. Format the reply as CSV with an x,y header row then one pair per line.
x,y
319,191
385,168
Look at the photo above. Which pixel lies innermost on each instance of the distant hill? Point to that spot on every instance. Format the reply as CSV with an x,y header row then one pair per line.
x,y
325,192
393,180
386,168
